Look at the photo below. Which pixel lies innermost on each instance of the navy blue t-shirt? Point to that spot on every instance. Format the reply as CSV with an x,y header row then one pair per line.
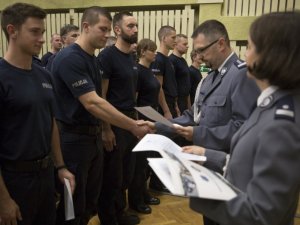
x,y
162,66
148,87
45,58
182,75
195,77
26,112
121,70
75,73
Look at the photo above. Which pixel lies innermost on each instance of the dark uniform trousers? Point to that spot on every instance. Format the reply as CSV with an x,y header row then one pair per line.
x,y
171,102
34,192
83,155
118,172
182,102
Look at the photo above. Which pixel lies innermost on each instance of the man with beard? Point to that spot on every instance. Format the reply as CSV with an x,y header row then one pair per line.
x,y
119,88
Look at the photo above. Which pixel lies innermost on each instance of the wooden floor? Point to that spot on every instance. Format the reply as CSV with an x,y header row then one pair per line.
x,y
172,210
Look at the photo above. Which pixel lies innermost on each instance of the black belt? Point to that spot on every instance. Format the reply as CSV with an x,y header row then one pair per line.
x,y
79,129
27,166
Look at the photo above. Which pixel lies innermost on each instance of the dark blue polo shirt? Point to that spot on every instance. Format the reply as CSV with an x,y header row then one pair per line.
x,y
121,70
164,67
75,73
148,87
26,112
182,75
195,77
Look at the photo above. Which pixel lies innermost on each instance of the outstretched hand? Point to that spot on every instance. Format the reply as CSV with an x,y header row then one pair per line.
x,y
186,132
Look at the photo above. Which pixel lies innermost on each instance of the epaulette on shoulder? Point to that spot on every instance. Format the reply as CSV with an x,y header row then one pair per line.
x,y
285,109
240,64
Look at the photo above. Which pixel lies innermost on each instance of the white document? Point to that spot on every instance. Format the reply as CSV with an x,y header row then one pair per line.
x,y
163,145
190,179
69,207
180,174
152,114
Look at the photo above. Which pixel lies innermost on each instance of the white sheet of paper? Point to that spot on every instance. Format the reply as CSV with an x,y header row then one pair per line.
x,y
69,207
162,167
209,184
203,183
152,114
160,143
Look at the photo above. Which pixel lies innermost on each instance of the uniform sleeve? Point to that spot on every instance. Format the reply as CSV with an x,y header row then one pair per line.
x,y
244,93
158,67
73,72
106,63
272,194
187,119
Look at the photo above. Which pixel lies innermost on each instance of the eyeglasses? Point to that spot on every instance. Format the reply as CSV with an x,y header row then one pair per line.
x,y
202,50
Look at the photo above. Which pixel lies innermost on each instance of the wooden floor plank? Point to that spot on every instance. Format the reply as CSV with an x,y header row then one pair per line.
x,y
173,211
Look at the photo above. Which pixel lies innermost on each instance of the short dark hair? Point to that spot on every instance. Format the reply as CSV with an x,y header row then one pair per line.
x,y
276,39
91,15
181,36
144,45
212,29
67,29
118,17
164,31
18,13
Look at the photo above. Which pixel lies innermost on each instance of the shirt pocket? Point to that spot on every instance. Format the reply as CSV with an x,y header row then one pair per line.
x,y
217,111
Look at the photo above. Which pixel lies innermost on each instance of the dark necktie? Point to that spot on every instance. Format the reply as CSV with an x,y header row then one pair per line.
x,y
216,72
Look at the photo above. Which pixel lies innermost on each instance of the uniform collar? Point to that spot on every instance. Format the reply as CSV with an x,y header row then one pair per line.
x,y
264,97
220,68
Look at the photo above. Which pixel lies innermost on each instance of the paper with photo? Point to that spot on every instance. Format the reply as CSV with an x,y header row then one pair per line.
x,y
190,179
162,144
69,207
152,114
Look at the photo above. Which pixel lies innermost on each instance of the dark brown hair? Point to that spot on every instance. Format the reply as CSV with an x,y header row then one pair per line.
x,y
164,31
212,30
91,15
144,45
18,13
276,38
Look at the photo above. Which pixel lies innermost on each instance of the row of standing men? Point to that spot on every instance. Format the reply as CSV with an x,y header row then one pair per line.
x,y
224,100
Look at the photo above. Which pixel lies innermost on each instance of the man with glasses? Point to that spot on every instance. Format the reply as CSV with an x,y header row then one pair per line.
x,y
223,100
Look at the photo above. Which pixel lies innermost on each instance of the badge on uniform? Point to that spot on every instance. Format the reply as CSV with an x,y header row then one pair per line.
x,y
285,109
223,71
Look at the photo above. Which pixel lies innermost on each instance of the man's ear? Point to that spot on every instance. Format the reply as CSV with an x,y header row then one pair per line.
x,y
12,31
117,29
85,27
222,43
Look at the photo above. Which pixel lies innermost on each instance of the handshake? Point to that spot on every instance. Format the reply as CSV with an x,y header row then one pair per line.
x,y
149,127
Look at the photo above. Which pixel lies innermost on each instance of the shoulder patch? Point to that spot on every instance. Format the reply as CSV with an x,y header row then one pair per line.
x,y
240,63
285,109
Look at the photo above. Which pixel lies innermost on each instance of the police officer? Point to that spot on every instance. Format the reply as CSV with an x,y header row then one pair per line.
x,y
164,71
77,80
182,72
119,88
148,88
265,152
195,74
69,34
224,99
28,131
